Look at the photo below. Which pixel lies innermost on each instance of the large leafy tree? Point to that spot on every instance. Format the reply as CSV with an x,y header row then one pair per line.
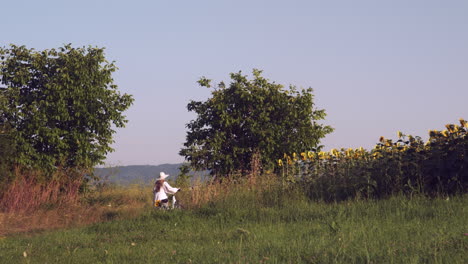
x,y
6,146
60,105
250,124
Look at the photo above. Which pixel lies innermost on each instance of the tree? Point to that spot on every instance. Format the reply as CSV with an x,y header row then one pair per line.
x,y
61,105
250,124
6,147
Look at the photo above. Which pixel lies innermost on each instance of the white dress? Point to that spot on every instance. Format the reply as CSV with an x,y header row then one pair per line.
x,y
165,189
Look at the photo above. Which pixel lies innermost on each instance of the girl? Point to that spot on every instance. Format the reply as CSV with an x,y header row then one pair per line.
x,y
161,189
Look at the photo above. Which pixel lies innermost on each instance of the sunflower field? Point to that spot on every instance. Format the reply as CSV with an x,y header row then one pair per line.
x,y
407,166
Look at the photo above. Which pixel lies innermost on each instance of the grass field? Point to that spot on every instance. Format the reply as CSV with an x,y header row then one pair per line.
x,y
270,227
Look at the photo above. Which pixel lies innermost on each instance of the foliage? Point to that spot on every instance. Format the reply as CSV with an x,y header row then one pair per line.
x,y
184,177
61,105
246,125
7,148
410,166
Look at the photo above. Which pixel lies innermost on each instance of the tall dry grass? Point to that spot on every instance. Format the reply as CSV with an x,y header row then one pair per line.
x,y
202,193
101,205
29,192
34,202
30,206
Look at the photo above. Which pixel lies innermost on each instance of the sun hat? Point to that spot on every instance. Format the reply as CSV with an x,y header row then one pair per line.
x,y
163,175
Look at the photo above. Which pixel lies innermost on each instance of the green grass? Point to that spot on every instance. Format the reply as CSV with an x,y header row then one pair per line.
x,y
264,229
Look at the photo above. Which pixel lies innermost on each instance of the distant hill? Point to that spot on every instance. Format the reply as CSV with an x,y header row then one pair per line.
x,y
137,173
141,174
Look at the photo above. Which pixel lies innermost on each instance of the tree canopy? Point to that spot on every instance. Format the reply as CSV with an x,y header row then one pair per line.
x,y
60,105
249,124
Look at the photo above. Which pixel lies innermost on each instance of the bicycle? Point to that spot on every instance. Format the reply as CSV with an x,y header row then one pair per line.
x,y
174,204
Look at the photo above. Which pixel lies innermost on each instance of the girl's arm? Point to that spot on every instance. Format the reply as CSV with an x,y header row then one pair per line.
x,y
169,189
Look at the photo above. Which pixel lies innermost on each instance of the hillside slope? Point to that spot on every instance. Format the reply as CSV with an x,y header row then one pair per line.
x,y
137,173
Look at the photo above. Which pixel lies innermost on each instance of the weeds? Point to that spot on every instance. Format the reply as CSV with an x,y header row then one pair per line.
x,y
104,205
26,193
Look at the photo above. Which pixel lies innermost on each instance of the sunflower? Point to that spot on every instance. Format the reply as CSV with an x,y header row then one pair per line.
x,y
280,162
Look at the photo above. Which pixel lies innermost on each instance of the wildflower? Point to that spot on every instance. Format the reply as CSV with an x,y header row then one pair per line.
x,y
445,133
463,123
334,152
294,156
310,154
399,134
304,156
450,127
349,152
280,162
388,143
321,155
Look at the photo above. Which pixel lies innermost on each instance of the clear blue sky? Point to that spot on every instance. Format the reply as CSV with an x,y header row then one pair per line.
x,y
376,66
